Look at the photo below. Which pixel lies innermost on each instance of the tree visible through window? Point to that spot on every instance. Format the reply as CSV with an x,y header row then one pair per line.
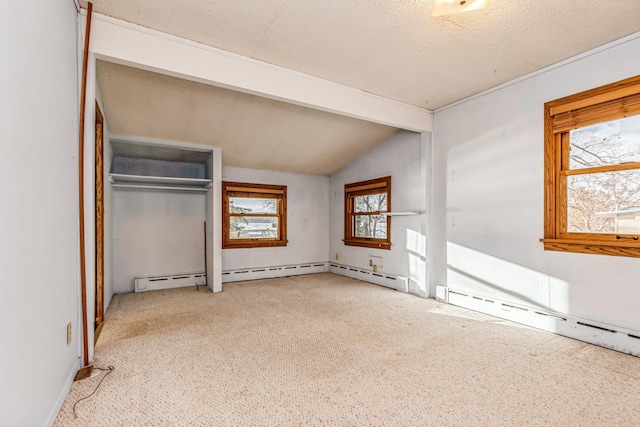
x,y
254,215
365,222
592,171
604,202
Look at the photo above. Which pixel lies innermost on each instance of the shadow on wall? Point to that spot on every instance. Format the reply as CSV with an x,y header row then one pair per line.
x,y
485,275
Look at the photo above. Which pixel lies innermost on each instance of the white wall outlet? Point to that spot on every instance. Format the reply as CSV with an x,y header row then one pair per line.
x,y
69,329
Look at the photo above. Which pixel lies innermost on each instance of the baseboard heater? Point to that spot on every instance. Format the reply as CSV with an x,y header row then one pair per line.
x,y
153,283
398,283
274,271
597,333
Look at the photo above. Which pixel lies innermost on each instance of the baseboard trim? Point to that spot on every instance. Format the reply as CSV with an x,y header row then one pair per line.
x,y
597,333
271,272
63,394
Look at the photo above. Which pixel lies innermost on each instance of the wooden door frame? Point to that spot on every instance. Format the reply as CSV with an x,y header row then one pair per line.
x,y
99,223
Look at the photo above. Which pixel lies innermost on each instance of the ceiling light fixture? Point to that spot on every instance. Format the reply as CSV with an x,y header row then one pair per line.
x,y
450,7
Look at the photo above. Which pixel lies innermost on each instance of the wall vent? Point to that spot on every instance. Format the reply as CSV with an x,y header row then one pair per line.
x,y
168,281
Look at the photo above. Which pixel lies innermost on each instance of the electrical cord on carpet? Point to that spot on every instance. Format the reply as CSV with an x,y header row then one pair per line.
x,y
109,369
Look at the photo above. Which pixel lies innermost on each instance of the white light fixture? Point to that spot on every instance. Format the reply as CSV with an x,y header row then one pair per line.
x,y
450,7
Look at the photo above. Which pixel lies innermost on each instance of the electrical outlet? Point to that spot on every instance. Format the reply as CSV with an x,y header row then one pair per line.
x,y
337,256
69,328
375,262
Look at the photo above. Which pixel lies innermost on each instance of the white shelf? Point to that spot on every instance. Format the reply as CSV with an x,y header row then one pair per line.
x,y
400,213
158,187
146,179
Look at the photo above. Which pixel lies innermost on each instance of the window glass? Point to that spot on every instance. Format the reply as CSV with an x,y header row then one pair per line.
x,y
602,202
253,227
604,144
370,226
371,203
253,205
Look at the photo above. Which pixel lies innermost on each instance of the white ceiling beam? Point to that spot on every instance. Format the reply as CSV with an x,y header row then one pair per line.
x,y
129,44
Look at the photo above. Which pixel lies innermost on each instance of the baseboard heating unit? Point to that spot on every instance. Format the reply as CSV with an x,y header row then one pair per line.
x,y
153,283
601,334
274,271
387,280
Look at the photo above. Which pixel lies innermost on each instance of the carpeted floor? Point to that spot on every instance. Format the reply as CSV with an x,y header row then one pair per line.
x,y
327,350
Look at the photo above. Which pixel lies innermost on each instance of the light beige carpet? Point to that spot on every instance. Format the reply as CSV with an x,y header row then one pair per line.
x,y
327,350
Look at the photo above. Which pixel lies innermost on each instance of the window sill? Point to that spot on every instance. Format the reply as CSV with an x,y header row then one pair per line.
x,y
254,244
617,248
368,244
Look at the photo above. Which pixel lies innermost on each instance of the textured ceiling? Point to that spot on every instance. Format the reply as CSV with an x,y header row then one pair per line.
x,y
253,132
393,48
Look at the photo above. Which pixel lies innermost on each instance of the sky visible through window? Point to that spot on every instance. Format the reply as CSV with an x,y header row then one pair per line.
x,y
254,205
603,144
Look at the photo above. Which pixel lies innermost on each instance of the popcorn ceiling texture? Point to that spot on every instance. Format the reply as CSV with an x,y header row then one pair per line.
x,y
253,132
328,350
393,48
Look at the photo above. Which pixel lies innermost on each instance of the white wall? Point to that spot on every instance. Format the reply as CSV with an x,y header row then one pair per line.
x,y
156,233
494,201
307,220
39,215
404,157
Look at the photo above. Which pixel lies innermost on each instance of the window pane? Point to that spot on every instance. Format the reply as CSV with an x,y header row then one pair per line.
x,y
371,203
604,144
252,205
253,227
606,202
373,226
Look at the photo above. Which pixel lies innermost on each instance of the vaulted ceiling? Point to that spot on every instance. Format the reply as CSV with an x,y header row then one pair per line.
x,y
392,48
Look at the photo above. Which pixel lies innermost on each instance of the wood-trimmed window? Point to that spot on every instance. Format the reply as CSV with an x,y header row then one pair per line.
x,y
254,215
364,205
592,171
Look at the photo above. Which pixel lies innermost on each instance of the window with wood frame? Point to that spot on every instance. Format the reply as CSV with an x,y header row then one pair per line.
x,y
365,223
254,215
592,171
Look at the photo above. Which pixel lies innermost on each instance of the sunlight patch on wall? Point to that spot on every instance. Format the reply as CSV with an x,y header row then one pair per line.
x,y
416,245
482,274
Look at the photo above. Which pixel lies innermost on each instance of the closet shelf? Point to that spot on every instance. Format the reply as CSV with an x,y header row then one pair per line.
x,y
159,187
120,180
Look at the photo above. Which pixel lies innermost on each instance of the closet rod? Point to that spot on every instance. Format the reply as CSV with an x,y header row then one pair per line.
x,y
159,187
